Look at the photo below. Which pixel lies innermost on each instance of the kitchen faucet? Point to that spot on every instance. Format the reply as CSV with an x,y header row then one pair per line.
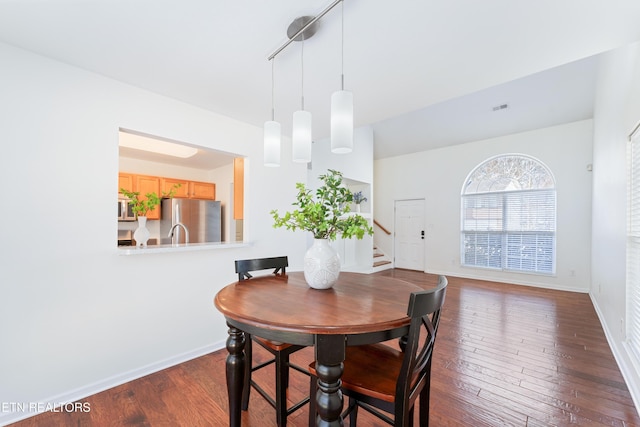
x,y
186,232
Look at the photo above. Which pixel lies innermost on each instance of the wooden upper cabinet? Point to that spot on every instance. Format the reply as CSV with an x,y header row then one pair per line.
x,y
189,189
166,184
145,184
125,180
202,190
238,188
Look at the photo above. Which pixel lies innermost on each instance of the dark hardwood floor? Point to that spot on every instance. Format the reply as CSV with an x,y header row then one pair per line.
x,y
505,355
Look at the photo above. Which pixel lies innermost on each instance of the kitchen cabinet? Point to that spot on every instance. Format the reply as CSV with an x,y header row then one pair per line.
x,y
166,185
202,190
189,189
125,180
145,184
238,188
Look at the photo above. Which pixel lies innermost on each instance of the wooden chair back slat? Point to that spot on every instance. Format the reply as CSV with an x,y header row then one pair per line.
x,y
245,266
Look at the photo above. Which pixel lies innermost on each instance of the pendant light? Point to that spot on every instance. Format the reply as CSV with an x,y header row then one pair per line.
x,y
299,30
342,112
272,132
301,134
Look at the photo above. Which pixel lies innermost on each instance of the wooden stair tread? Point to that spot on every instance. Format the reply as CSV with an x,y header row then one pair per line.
x,y
379,263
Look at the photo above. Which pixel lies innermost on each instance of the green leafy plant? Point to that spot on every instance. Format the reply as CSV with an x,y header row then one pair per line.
x,y
326,215
140,206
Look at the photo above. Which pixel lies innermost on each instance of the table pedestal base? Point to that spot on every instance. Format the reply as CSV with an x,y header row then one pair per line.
x,y
330,353
235,374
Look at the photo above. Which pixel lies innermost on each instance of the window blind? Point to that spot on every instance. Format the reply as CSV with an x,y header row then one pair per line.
x,y
512,230
633,246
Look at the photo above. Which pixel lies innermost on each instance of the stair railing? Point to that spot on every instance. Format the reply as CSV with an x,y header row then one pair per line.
x,y
381,227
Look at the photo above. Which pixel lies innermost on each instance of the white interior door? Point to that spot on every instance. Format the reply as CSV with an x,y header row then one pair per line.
x,y
409,234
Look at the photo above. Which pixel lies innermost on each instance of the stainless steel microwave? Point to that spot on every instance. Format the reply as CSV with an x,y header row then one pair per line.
x,y
125,210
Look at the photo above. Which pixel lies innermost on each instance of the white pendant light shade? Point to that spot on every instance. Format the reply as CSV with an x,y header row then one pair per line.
x,y
272,144
342,122
301,136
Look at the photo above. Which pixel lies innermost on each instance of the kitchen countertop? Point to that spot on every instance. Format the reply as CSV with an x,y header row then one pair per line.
x,y
184,247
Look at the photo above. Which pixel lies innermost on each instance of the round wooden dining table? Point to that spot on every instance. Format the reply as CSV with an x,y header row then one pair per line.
x,y
359,309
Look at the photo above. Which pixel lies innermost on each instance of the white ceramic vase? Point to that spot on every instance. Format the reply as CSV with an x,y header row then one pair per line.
x,y
141,235
321,265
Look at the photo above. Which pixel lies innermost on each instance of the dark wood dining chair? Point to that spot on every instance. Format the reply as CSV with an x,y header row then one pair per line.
x,y
279,351
380,378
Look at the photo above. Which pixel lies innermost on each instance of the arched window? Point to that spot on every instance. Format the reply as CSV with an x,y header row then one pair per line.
x,y
508,219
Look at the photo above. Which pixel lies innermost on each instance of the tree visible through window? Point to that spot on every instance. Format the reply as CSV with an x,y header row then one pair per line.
x,y
508,219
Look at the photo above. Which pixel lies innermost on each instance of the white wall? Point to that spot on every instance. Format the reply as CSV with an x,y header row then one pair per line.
x,y
617,110
355,254
357,165
77,317
438,175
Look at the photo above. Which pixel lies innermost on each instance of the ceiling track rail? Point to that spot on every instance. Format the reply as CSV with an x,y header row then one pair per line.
x,y
302,30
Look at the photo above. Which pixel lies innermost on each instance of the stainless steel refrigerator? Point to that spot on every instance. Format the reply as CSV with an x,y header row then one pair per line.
x,y
202,220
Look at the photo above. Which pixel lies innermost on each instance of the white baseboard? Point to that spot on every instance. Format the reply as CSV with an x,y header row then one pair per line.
x,y
510,281
619,353
19,411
